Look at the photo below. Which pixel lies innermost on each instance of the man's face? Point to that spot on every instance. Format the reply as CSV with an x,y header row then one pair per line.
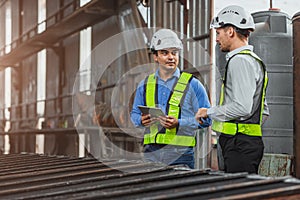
x,y
167,58
222,39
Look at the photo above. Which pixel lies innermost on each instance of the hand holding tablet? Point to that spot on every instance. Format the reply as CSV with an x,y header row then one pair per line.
x,y
153,111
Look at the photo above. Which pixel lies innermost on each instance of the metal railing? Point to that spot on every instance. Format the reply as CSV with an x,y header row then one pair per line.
x,y
63,12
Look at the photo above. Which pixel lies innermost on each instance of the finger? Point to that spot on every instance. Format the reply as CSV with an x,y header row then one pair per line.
x,y
200,121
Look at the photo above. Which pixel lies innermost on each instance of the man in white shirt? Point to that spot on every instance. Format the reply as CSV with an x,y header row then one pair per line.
x,y
239,115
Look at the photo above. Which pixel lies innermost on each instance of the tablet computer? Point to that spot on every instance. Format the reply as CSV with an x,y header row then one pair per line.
x,y
153,111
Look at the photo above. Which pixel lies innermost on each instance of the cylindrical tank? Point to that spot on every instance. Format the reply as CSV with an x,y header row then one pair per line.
x,y
272,41
296,59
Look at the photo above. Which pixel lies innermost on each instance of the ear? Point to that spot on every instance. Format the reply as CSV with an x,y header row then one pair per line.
x,y
155,58
231,31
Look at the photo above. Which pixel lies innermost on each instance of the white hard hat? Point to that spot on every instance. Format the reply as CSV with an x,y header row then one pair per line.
x,y
233,15
165,39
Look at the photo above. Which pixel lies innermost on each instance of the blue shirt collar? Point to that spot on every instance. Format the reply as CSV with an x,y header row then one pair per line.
x,y
175,74
232,53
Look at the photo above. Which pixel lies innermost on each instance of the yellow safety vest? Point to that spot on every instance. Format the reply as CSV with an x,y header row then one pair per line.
x,y
170,136
251,126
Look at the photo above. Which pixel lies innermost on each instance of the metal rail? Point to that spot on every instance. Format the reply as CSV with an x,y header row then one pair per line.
x,y
32,176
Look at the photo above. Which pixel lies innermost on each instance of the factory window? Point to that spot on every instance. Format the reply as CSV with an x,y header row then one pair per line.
x,y
145,12
8,27
7,99
41,63
41,96
41,15
85,59
41,78
7,88
83,2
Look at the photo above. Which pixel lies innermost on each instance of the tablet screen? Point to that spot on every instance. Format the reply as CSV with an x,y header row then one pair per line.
x,y
154,112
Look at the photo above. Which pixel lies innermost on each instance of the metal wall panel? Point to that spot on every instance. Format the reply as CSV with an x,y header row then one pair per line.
x,y
156,13
53,74
52,7
16,88
16,98
199,33
2,95
16,28
29,14
71,56
29,88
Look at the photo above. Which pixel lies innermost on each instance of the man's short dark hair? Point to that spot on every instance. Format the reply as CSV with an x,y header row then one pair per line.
x,y
242,33
154,51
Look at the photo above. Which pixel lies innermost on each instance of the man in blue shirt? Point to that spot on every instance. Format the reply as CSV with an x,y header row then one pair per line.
x,y
169,139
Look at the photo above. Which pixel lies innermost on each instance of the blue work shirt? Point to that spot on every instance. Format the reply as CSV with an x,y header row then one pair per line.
x,y
195,98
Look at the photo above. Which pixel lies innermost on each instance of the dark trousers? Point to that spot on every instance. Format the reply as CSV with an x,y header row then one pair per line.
x,y
242,153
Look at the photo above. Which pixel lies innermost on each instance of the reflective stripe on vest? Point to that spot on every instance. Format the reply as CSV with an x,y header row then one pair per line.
x,y
231,128
150,101
170,136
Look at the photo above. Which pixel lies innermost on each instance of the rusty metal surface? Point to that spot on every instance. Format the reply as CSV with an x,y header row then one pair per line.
x,y
275,165
296,84
32,176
